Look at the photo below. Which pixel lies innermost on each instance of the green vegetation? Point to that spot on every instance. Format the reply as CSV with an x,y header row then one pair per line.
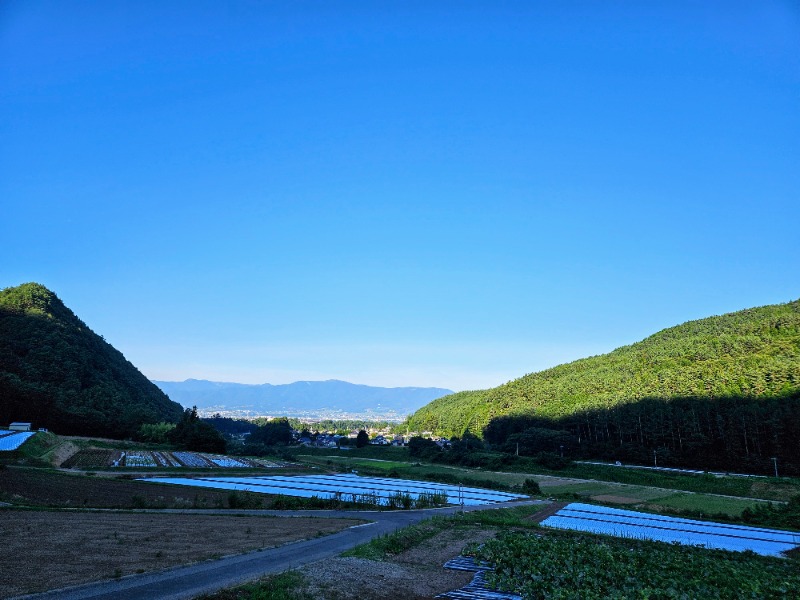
x,y
192,433
588,567
404,539
399,541
58,374
718,508
362,439
787,515
514,474
720,393
155,433
284,586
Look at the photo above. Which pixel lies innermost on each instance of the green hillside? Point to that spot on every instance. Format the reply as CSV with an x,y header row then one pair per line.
x,y
728,384
57,373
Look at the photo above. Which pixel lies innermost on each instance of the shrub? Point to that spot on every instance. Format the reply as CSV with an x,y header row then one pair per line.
x,y
238,499
531,487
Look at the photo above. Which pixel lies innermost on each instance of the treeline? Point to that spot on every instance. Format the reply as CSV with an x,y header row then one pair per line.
x,y
258,437
234,427
57,373
729,434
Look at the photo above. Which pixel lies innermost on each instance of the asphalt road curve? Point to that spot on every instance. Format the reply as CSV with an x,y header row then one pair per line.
x,y
182,583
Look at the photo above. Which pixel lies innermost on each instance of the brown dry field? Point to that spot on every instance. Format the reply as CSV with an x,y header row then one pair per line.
x,y
70,489
416,574
44,550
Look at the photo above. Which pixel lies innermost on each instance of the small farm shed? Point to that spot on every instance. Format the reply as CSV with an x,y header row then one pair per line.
x,y
20,427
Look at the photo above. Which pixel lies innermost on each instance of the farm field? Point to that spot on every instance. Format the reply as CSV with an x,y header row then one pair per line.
x,y
638,525
46,488
387,460
606,492
106,458
11,440
77,547
364,489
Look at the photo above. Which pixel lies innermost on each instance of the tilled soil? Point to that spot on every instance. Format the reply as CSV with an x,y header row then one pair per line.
x,y
40,487
44,550
415,574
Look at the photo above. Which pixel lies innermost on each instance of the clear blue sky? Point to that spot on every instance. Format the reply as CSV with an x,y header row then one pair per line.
x,y
397,193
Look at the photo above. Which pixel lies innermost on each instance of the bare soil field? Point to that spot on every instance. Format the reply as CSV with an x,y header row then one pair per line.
x,y
38,487
44,550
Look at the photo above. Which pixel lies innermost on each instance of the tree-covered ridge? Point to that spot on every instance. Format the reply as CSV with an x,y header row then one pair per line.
x,y
717,390
57,373
751,353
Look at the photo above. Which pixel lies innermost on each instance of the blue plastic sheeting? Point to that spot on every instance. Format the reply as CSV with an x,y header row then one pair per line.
x,y
632,524
343,486
14,440
478,588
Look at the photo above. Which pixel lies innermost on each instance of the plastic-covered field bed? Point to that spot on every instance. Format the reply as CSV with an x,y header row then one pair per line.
x,y
96,458
344,486
632,524
14,439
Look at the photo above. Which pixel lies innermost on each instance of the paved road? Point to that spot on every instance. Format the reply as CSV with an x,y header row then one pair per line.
x,y
182,583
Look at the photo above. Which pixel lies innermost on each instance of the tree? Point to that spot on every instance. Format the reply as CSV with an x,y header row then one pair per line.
x,y
193,434
420,447
362,439
156,433
276,432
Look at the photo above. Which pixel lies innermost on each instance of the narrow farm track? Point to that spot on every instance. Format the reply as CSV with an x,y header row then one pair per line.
x,y
187,582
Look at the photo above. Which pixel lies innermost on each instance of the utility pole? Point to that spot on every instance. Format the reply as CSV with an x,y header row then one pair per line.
x,y
775,464
655,460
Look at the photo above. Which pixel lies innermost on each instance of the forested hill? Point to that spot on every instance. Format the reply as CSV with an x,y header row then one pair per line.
x,y
57,373
725,385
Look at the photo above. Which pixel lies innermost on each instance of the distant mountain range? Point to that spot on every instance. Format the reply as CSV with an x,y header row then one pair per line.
x,y
330,399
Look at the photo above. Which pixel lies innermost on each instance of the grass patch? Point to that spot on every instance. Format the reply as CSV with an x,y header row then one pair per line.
x,y
398,541
513,518
703,504
404,539
763,488
284,586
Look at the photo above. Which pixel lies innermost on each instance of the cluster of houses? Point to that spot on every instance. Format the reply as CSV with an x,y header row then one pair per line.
x,y
334,440
384,438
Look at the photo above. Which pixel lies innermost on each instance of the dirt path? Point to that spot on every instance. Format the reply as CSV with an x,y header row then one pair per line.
x,y
552,509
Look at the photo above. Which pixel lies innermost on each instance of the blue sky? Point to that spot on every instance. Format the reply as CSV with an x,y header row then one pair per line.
x,y
397,193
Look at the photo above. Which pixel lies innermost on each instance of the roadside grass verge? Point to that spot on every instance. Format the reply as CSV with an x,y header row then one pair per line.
x,y
283,586
409,537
